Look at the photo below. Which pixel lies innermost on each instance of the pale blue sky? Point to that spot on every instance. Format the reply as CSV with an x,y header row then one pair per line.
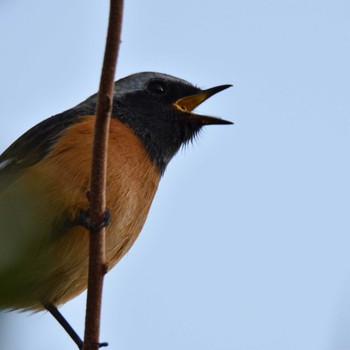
x,y
247,243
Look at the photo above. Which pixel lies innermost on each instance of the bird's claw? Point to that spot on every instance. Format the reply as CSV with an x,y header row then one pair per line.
x,y
83,219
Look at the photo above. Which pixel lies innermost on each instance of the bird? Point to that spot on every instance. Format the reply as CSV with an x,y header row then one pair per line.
x,y
45,178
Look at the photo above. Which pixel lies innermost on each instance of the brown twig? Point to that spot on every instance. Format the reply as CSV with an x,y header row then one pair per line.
x,y
97,195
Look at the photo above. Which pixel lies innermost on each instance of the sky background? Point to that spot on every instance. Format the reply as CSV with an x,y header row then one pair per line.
x,y
247,242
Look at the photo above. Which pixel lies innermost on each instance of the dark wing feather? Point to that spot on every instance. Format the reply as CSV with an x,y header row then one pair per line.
x,y
36,143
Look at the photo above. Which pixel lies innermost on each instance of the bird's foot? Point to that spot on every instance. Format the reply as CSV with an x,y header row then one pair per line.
x,y
83,219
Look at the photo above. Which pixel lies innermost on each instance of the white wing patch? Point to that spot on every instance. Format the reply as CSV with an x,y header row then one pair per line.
x,y
5,163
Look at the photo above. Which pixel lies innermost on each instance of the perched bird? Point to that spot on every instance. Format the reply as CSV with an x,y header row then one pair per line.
x,y
45,176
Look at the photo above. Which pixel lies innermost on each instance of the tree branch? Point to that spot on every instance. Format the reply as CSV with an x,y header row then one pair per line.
x,y
97,195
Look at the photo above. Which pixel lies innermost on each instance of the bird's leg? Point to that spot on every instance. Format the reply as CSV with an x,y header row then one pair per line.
x,y
68,328
64,323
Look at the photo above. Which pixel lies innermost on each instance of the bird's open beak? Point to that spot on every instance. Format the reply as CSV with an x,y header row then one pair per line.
x,y
189,103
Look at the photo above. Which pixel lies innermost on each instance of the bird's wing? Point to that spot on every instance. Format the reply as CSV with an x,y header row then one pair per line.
x,y
33,146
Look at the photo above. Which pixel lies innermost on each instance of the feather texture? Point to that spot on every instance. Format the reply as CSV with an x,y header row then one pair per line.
x,y
47,261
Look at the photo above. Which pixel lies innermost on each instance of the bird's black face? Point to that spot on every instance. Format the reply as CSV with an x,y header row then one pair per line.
x,y
158,108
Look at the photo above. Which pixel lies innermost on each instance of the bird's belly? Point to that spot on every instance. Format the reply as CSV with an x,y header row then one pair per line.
x,y
68,277
54,268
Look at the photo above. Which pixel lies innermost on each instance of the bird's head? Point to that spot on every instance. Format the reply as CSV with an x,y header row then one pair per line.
x,y
159,109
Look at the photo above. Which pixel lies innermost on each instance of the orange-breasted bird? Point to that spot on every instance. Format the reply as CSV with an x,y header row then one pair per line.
x,y
45,176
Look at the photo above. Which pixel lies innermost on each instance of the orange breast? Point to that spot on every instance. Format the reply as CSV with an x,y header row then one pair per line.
x,y
54,269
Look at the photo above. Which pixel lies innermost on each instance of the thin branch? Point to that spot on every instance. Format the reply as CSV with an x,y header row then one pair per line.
x,y
97,195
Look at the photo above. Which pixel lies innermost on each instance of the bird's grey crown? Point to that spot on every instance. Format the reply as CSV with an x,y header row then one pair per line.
x,y
139,81
134,82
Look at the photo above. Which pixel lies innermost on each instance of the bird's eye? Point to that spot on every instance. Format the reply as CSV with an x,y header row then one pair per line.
x,y
157,87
